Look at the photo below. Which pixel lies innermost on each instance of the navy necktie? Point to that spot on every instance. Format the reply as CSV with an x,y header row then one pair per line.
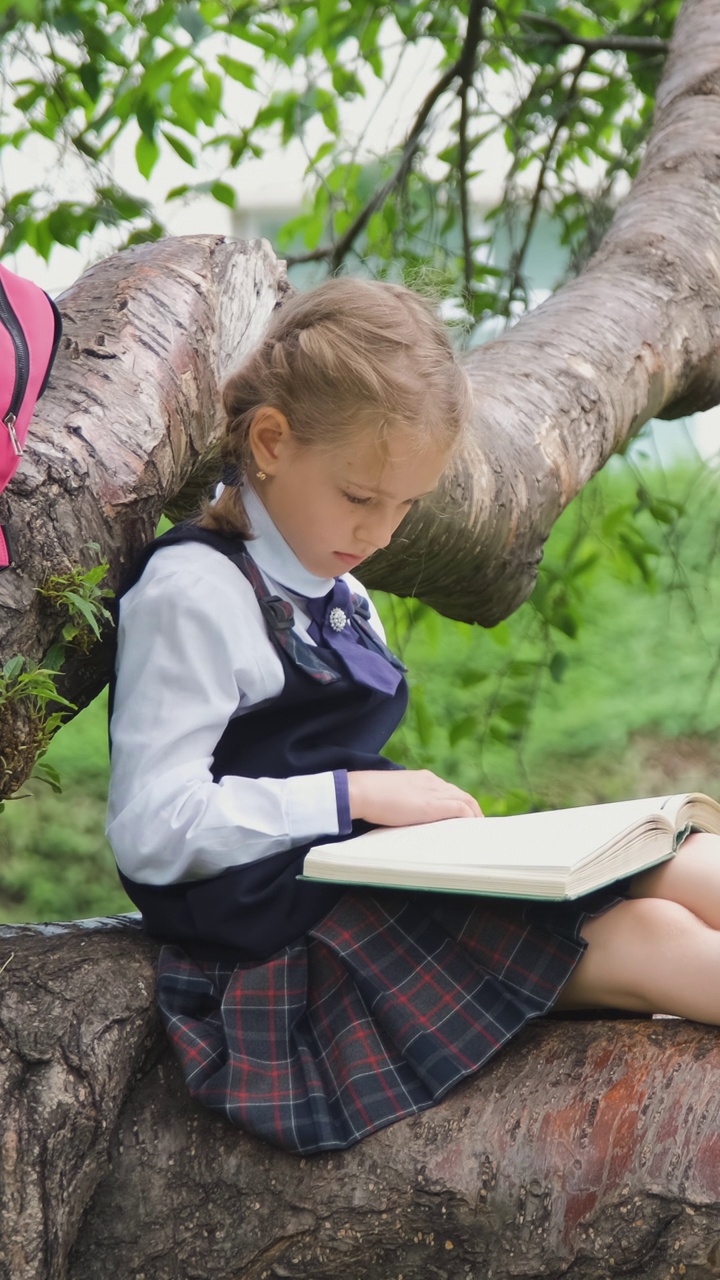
x,y
331,627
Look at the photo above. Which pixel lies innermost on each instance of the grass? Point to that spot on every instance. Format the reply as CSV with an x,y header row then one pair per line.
x,y
56,863
523,716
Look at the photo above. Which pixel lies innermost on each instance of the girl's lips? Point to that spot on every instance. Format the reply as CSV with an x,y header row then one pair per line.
x,y
342,555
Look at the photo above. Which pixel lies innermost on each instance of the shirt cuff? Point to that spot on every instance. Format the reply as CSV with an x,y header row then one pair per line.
x,y
310,805
342,799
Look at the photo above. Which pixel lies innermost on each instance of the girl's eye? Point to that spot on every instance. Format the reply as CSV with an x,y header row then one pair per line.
x,y
360,502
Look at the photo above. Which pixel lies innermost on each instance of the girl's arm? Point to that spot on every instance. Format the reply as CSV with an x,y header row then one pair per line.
x,y
182,674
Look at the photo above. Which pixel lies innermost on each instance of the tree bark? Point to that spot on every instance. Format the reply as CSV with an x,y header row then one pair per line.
x,y
129,418
586,1149
131,410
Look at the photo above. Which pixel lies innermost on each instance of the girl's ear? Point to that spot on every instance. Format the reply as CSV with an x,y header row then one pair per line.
x,y
269,437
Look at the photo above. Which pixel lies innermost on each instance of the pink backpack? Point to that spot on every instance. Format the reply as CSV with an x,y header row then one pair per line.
x,y
30,330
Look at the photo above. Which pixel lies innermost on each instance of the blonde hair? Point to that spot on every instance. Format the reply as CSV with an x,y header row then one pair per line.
x,y
348,356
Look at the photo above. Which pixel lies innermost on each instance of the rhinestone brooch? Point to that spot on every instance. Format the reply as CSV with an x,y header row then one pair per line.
x,y
338,619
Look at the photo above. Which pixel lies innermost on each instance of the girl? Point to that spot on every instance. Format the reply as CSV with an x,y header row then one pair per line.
x,y
254,693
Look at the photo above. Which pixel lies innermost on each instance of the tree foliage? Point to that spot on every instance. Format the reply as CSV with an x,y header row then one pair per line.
x,y
569,89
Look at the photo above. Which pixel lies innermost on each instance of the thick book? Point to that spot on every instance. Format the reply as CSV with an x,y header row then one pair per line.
x,y
554,854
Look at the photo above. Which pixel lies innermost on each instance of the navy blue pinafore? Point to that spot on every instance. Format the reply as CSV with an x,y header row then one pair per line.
x,y
312,1015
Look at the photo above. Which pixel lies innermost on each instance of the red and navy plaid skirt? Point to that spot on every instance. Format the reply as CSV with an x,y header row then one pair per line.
x,y
384,1006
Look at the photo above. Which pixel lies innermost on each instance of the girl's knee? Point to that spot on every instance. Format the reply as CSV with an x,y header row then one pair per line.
x,y
633,952
658,921
703,841
639,920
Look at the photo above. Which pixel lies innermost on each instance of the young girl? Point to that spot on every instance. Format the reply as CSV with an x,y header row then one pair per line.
x,y
254,693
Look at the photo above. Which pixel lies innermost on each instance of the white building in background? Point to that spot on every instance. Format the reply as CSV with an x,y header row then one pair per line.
x,y
270,191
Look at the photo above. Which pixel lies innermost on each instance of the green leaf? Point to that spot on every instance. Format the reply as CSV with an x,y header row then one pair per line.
x,y
558,665
224,193
13,667
462,729
85,608
45,772
179,147
89,74
240,71
147,154
54,658
469,676
191,20
347,83
146,116
96,574
214,87
564,621
516,712
326,149
160,73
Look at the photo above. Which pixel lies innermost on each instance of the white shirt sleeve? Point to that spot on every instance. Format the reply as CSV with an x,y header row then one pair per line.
x,y
192,653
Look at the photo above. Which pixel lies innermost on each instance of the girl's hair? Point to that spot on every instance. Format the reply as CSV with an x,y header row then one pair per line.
x,y
348,356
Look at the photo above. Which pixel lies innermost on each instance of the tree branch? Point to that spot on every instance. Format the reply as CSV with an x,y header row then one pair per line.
x,y
472,39
335,252
463,156
561,35
519,257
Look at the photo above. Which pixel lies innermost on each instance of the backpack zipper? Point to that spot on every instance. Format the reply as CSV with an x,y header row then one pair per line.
x,y
22,368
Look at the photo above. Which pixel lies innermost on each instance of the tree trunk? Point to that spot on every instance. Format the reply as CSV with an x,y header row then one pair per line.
x,y
586,1149
131,410
130,417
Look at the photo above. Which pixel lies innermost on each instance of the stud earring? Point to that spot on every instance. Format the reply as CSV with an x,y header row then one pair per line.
x,y
261,475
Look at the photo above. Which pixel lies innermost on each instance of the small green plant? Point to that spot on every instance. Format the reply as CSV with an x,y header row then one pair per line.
x,y
80,594
31,704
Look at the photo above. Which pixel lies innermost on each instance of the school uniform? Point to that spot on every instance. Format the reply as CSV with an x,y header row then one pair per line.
x,y
310,1015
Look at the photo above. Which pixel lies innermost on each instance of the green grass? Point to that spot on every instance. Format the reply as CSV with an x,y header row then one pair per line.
x,y
56,863
634,707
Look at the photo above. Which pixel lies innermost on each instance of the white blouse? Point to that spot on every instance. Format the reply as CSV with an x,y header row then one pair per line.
x,y
193,652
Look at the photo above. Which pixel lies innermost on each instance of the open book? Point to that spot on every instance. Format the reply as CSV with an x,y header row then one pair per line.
x,y
557,854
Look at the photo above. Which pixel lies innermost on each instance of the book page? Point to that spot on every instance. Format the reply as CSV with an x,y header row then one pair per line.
x,y
696,810
556,840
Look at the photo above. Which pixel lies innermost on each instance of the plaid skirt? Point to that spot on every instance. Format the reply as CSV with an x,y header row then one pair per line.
x,y
372,1016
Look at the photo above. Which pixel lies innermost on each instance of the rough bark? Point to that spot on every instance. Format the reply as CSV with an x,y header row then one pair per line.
x,y
129,418
587,1149
131,411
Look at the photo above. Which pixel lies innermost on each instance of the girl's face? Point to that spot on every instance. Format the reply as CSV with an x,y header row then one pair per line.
x,y
336,507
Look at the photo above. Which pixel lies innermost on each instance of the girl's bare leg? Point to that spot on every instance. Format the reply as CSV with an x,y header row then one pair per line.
x,y
648,955
691,878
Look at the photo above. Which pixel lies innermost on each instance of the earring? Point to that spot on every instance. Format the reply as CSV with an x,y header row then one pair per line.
x,y
261,475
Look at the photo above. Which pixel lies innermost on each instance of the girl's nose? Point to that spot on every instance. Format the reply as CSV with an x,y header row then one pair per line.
x,y
377,529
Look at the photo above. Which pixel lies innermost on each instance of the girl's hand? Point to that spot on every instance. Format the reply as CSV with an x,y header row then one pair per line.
x,y
402,797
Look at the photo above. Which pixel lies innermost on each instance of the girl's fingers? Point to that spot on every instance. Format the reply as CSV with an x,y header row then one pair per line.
x,y
407,797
